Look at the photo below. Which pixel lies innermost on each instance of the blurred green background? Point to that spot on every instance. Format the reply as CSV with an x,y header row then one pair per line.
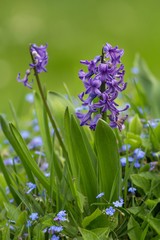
x,y
74,30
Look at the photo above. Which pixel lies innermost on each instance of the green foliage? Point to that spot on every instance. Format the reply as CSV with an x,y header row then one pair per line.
x,y
133,139
135,126
155,137
108,161
74,165
148,87
134,230
44,126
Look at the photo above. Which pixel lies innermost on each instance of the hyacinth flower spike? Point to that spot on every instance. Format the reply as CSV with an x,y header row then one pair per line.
x,y
103,82
39,58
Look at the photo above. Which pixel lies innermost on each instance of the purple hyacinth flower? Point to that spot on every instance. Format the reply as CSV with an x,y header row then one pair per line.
x,y
25,79
40,57
103,81
113,53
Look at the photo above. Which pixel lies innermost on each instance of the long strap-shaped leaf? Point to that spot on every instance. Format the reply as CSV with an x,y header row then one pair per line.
x,y
22,151
8,181
44,127
81,161
27,159
108,161
15,145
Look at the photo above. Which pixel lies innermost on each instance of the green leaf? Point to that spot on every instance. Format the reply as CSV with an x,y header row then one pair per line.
x,y
156,187
81,160
12,211
102,233
144,233
81,200
133,139
86,168
155,137
98,233
88,235
27,158
152,203
6,232
135,126
134,230
15,145
87,220
20,224
141,181
38,234
150,86
108,161
154,223
22,219
19,232
58,104
44,127
133,106
9,180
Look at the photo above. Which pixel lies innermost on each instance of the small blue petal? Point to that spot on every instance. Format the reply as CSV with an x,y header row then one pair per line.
x,y
132,190
110,211
100,195
33,216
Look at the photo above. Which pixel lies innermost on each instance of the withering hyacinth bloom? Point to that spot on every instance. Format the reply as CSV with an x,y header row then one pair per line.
x,y
25,79
40,58
103,82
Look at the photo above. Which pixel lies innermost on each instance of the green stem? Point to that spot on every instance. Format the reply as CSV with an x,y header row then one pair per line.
x,y
54,125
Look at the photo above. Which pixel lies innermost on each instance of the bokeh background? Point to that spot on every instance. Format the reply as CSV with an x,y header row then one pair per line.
x,y
74,30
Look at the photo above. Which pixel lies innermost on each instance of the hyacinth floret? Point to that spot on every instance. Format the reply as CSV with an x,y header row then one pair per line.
x,y
40,57
25,80
103,81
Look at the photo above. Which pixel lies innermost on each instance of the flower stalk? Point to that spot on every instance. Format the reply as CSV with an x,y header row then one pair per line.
x,y
54,125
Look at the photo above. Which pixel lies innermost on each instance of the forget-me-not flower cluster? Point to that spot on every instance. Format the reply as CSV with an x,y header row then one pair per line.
x,y
134,157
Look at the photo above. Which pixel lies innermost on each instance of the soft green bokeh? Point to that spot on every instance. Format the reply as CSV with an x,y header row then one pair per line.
x,y
74,30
